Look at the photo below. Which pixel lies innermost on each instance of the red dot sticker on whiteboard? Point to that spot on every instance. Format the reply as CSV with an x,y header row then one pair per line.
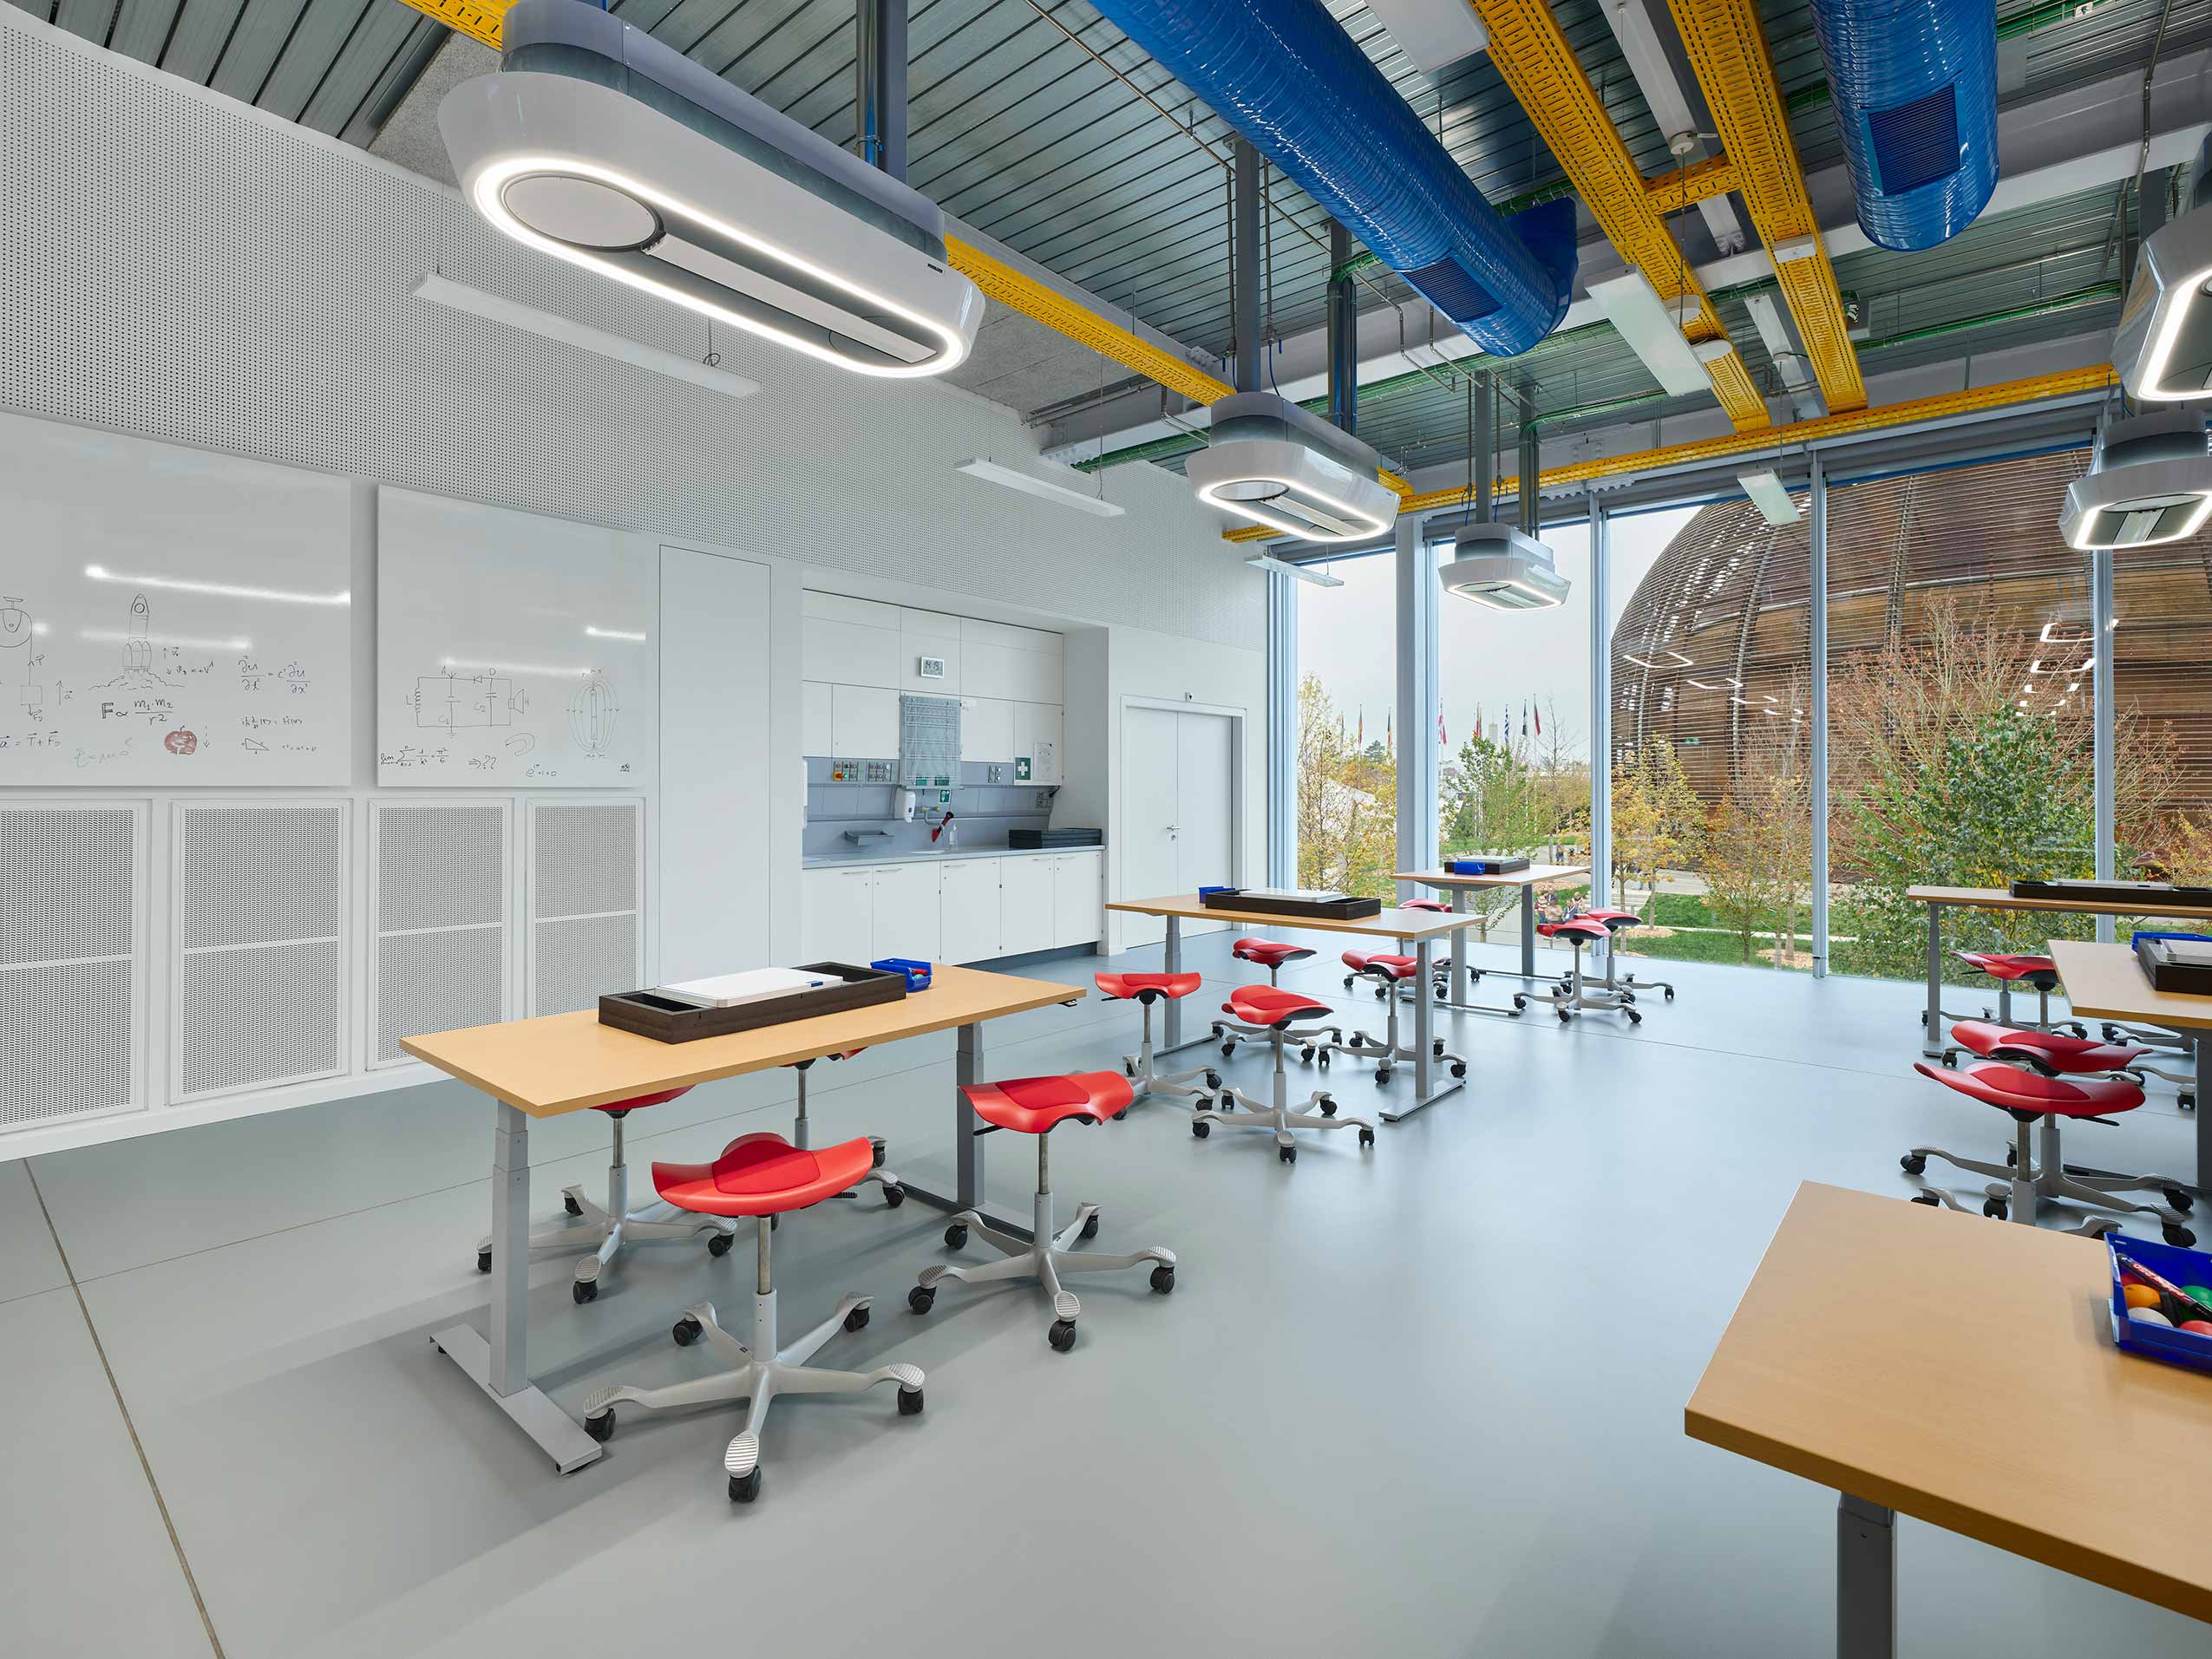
x,y
180,742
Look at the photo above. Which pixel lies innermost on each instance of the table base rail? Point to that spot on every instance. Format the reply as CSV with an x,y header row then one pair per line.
x,y
559,1436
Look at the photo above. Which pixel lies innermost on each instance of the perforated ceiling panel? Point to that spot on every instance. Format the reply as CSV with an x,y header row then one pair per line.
x,y
71,977
442,898
208,274
586,935
261,902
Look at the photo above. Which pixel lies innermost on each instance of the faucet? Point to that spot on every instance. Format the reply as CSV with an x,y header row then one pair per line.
x,y
945,827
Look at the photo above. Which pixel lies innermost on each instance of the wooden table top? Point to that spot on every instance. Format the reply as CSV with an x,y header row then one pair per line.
x,y
1529,878
1999,898
565,1062
1385,925
1961,1371
2106,982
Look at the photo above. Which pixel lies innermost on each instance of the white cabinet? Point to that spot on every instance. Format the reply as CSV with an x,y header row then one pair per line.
x,y
929,634
1009,672
907,922
815,727
1025,905
986,729
864,723
839,915
969,908
1037,736
849,653
1078,898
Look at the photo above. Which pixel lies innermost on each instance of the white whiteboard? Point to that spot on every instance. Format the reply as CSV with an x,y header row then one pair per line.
x,y
167,616
512,651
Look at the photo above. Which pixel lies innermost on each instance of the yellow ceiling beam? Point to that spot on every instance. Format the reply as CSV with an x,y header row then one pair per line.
x,y
1728,50
478,19
1669,192
1543,73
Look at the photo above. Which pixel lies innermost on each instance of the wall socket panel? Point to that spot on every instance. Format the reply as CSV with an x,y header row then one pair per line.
x,y
1044,799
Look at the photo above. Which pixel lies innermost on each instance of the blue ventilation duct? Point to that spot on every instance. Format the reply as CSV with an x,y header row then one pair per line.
x,y
1915,84
1286,74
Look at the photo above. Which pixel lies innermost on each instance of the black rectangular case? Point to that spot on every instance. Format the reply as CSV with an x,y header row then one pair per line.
x,y
665,1020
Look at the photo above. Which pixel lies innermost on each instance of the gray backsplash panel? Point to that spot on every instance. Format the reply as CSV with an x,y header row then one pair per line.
x,y
983,812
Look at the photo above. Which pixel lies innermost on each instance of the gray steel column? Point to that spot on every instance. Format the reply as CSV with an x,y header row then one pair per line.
x,y
1416,701
1486,446
1817,711
879,83
1344,335
1244,298
1600,707
1282,729
1532,510
2100,622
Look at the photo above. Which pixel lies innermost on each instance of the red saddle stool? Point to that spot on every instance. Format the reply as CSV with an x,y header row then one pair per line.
x,y
1574,994
1267,1012
1145,989
1036,1106
1623,921
894,1194
1386,971
2035,1100
760,1176
1270,954
2040,974
606,1230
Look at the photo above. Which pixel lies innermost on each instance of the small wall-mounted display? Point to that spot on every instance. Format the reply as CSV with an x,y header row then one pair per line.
x,y
929,667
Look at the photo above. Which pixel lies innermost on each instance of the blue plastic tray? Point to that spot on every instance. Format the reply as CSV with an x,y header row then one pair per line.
x,y
2183,1267
917,973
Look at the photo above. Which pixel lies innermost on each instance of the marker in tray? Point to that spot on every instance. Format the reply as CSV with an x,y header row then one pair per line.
x,y
2159,1282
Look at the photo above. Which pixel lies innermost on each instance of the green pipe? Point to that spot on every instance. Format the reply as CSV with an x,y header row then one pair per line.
x,y
2080,296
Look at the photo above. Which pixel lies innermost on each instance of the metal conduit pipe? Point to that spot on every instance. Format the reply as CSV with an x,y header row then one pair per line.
x,y
1244,253
1344,337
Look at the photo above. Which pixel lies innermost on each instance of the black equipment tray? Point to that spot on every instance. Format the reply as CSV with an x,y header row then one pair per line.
x,y
2183,979
665,1020
1493,865
2151,895
1030,840
1334,910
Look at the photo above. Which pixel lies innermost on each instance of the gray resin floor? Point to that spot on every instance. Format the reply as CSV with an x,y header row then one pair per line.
x,y
1426,1399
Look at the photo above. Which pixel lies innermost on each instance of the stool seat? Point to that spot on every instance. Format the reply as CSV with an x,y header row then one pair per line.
x,y
1268,953
1613,919
1426,904
1266,1005
2040,971
2050,1050
616,1109
1032,1106
1396,967
763,1174
1145,986
1574,927
2011,1089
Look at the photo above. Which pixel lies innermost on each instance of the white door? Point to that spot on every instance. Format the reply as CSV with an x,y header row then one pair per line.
x,y
1151,864
1204,854
907,922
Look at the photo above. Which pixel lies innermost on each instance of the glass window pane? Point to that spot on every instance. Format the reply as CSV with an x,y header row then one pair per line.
x,y
1513,757
1960,729
1346,834
1711,762
2162,678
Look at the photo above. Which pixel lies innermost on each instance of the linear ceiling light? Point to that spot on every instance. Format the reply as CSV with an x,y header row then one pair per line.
x,y
1770,496
1653,332
1680,661
1029,484
459,296
1284,567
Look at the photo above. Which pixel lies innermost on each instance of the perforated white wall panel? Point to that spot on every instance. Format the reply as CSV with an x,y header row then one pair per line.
x,y
586,934
71,973
440,898
205,273
260,970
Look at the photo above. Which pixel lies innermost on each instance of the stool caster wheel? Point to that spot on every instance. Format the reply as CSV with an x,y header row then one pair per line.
x,y
1212,1078
1565,1016
1306,1055
1382,1076
718,1244
910,1402
955,1236
1090,1227
583,1290
1437,1049
2177,1198
894,1194
1328,1106
1913,1164
875,1152
1950,1059
1995,1209
1347,982
2187,1102
743,1488
1381,991
1459,1069
1634,1018
1129,1067
1163,1279
1670,992
1215,1029
2179,1237
1286,1154
1440,993
1062,1335
1200,1128
686,1331
568,1203
858,1319
1228,1050
483,1261
1928,1199
2012,1156
1520,1002
601,1427
1366,1137
1322,1060
921,1298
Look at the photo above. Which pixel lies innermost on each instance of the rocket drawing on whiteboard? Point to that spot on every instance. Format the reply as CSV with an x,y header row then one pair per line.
x,y
591,712
18,655
138,649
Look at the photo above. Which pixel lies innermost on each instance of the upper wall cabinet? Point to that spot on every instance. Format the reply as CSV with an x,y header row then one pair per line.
x,y
849,642
1017,664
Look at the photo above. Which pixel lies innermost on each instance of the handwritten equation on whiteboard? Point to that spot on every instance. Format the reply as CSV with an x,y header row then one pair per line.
x,y
196,629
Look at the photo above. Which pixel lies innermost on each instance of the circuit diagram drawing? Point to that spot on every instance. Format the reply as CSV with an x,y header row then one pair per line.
x,y
455,702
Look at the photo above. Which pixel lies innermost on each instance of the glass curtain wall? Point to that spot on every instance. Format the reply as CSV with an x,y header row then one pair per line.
x,y
1513,735
1961,731
1710,768
1346,759
2161,675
